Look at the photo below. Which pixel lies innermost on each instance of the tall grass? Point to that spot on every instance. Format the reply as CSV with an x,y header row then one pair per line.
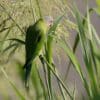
x,y
42,88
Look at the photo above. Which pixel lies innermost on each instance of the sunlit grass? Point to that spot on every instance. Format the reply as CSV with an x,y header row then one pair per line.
x,y
15,17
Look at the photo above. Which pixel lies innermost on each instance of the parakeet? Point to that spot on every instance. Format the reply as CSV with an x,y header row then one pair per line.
x,y
35,39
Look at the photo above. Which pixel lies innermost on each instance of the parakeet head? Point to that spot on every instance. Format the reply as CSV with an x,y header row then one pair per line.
x,y
49,21
44,24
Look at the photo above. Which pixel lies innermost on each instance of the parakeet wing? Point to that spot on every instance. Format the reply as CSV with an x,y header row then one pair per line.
x,y
34,42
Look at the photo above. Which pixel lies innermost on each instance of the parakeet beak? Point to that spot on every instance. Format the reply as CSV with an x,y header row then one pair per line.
x,y
49,21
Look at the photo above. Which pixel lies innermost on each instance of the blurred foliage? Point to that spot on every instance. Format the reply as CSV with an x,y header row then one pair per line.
x,y
15,17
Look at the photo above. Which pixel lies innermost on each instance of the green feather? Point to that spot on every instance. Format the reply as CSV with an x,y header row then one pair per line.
x,y
35,38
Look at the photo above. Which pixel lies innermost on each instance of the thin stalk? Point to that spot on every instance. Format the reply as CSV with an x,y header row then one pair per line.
x,y
12,19
42,85
49,59
4,38
32,10
58,78
74,49
40,14
61,90
45,76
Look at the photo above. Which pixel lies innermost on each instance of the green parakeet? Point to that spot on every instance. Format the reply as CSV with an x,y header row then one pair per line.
x,y
35,39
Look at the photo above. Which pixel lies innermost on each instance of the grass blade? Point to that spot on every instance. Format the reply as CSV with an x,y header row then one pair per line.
x,y
18,93
9,47
86,40
17,40
12,19
36,82
48,48
6,35
58,78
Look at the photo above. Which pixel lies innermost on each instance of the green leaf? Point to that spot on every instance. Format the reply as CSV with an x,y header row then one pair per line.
x,y
55,24
48,48
96,37
55,72
36,82
86,40
72,57
76,42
